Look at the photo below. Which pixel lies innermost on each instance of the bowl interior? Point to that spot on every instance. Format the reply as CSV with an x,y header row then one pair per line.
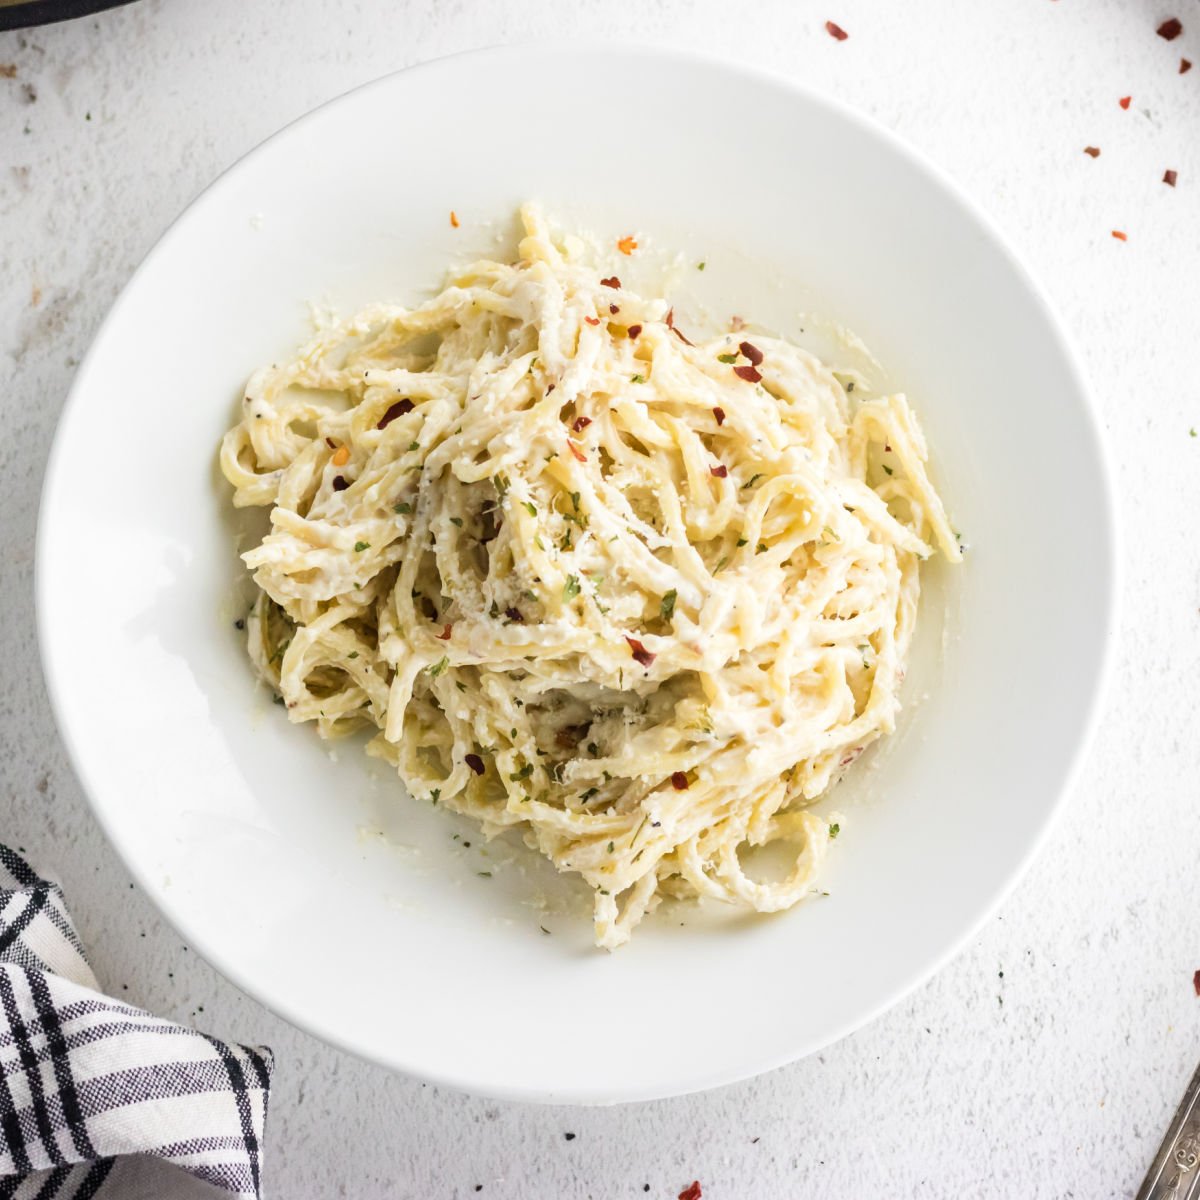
x,y
309,877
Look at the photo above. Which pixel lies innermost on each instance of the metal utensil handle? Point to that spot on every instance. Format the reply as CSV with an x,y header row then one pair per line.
x,y
1175,1173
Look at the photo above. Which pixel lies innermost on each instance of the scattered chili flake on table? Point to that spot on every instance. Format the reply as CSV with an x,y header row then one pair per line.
x,y
1170,29
839,35
1124,101
749,374
453,219
627,245
640,653
1196,982
692,1191
679,781
1094,151
1121,237
1169,178
1185,65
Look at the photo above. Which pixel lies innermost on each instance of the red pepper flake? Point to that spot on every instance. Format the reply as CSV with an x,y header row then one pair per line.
x,y
331,443
719,413
1196,982
475,763
1121,237
633,332
1094,151
339,484
627,245
514,614
575,450
692,1191
679,781
1169,178
453,219
1170,29
753,353
640,653
1124,101
1185,65
592,320
614,309
719,471
612,281
749,374
444,636
549,388
839,35
581,423
671,326
397,410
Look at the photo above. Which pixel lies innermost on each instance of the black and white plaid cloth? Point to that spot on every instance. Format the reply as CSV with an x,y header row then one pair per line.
x,y
97,1097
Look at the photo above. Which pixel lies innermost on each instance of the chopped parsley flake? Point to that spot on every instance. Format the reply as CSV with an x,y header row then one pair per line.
x,y
456,521
700,266
638,379
887,470
402,507
571,587
834,829
359,547
529,507
727,358
523,773
439,666
753,480
414,446
667,608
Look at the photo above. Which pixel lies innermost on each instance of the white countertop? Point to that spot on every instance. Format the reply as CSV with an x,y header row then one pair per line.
x,y
1048,1058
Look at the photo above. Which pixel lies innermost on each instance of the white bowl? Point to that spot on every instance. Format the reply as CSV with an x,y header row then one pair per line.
x,y
317,885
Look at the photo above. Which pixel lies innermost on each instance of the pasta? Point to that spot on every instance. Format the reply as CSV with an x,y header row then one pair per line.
x,y
642,599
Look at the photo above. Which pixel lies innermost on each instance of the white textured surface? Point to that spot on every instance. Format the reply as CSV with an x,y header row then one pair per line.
x,y
1046,1060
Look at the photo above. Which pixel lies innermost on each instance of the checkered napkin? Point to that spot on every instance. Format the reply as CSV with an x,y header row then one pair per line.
x,y
97,1097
